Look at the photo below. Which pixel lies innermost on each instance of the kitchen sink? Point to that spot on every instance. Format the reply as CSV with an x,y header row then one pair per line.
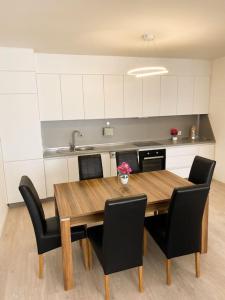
x,y
67,151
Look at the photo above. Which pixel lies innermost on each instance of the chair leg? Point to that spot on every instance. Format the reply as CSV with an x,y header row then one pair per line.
x,y
140,278
85,252
89,254
197,264
41,266
107,293
168,272
145,242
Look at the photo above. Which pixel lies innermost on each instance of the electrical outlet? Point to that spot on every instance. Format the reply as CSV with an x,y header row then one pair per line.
x,y
179,132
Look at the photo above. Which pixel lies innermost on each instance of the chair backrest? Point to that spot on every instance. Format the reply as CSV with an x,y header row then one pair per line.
x,y
202,170
34,206
183,234
123,233
90,166
130,157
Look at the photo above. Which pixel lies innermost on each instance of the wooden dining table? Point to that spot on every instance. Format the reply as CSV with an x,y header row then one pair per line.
x,y
83,202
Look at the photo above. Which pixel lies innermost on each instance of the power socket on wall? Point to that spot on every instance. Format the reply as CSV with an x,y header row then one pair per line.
x,y
179,132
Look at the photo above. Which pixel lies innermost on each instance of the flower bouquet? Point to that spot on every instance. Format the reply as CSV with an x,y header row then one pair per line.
x,y
174,133
124,170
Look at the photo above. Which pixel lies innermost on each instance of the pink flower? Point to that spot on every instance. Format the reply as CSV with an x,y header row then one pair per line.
x,y
124,168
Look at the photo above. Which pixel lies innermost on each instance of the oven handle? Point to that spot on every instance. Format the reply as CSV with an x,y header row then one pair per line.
x,y
153,157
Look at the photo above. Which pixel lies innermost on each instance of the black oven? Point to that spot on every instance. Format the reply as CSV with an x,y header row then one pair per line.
x,y
152,160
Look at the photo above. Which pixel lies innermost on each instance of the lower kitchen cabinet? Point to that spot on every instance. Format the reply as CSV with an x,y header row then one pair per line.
x,y
15,170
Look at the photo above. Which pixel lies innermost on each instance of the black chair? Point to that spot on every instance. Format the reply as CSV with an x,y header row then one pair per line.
x,y
178,232
90,166
47,231
118,243
202,170
130,157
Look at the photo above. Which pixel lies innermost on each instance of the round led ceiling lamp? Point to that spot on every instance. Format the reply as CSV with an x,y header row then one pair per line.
x,y
151,70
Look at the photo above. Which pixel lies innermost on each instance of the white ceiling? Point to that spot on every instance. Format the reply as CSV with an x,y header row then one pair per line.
x,y
183,28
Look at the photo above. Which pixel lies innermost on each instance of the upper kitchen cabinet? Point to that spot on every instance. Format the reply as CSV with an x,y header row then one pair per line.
x,y
49,95
132,97
93,97
201,101
151,96
17,82
113,91
72,97
185,95
168,96
20,127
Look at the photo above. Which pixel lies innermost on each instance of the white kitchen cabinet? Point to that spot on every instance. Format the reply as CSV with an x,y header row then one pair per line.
x,y
56,171
113,92
201,97
34,169
20,127
185,95
49,95
106,164
113,165
207,151
93,96
3,195
151,96
168,96
73,169
17,82
72,97
132,97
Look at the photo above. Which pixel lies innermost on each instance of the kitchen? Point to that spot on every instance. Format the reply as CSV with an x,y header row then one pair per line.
x,y
57,106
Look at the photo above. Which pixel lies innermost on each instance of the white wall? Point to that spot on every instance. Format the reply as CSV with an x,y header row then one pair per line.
x,y
217,115
3,206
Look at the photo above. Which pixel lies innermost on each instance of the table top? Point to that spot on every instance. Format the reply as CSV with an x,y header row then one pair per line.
x,y
87,197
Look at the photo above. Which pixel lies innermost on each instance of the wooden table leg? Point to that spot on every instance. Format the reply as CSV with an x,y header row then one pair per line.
x,y
205,228
56,208
67,254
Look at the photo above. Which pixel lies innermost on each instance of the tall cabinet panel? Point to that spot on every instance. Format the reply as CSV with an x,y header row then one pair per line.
x,y
20,127
72,97
93,96
185,95
151,96
113,90
132,97
201,103
49,95
168,96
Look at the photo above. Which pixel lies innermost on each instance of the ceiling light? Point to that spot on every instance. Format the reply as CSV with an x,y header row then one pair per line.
x,y
148,71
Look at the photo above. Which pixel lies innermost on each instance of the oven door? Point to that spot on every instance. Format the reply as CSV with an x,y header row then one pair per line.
x,y
153,164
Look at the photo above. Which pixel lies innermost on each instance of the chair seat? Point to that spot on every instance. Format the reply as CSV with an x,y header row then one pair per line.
x,y
156,226
95,235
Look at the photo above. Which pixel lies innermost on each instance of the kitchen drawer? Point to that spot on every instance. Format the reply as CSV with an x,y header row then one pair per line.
x,y
182,151
181,172
179,162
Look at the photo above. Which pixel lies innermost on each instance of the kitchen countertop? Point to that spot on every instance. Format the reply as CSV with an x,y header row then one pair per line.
x,y
114,147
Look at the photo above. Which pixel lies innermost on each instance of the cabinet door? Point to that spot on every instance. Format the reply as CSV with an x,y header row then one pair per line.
x,y
72,97
207,151
49,95
113,166
93,96
3,195
20,127
113,91
185,95
73,169
132,97
106,164
168,96
151,96
56,171
34,169
201,100
17,82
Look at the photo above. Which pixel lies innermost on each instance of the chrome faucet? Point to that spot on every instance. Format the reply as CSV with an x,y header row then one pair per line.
x,y
73,145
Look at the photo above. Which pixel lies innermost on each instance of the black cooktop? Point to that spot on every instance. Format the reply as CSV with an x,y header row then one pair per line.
x,y
146,144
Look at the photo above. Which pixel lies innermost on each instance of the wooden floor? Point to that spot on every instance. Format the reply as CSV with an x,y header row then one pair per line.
x,y
19,262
